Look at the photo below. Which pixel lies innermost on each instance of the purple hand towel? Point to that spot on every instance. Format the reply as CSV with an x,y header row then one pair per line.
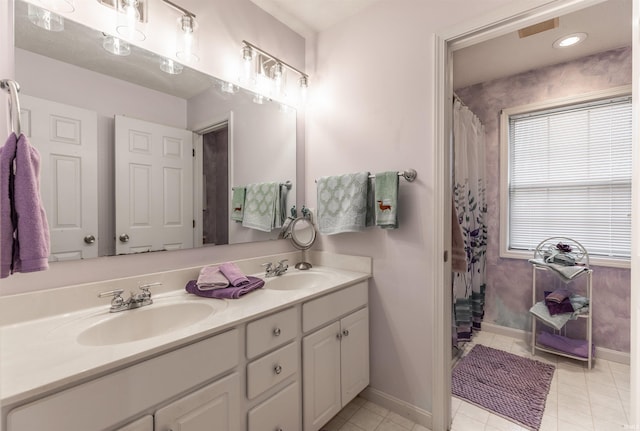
x,y
233,274
211,278
32,251
227,292
7,213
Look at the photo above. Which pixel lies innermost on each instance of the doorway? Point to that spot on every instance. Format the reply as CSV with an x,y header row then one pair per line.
x,y
507,19
215,183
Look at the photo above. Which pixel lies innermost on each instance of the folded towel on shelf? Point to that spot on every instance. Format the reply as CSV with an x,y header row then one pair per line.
x,y
555,307
579,303
558,295
237,203
232,273
262,207
566,273
211,278
227,292
342,203
565,344
386,196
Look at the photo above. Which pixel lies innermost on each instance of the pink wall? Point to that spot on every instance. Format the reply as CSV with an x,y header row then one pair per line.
x,y
509,280
371,109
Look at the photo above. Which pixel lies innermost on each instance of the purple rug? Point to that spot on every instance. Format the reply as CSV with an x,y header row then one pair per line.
x,y
511,386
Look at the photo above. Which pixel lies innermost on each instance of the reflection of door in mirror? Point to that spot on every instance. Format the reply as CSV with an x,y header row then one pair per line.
x,y
215,186
66,137
154,183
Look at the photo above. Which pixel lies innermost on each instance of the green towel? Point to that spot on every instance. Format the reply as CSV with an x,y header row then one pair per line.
x,y
386,197
342,203
237,204
262,207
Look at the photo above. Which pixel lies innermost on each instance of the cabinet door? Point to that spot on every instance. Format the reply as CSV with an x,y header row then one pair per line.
x,y
321,376
354,354
145,423
212,408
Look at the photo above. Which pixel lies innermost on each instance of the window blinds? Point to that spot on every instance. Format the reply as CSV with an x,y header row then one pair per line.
x,y
570,175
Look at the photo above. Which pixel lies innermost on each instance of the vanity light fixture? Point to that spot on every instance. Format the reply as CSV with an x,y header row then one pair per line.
x,y
270,79
187,36
171,67
228,87
44,18
58,6
129,20
569,40
116,46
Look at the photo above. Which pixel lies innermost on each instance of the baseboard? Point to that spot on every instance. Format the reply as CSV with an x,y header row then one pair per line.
x,y
519,334
404,409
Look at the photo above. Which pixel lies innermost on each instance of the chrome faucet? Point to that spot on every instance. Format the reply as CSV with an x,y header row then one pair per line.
x,y
135,300
271,271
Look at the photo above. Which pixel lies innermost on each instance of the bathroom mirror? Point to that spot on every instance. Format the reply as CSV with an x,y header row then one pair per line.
x,y
245,142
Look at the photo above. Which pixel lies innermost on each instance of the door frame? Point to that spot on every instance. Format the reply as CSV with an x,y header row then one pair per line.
x,y
499,22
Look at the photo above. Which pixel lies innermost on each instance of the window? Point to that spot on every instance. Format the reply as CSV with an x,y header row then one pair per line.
x,y
568,173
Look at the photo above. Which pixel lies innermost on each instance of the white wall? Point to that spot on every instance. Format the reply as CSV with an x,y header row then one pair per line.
x,y
224,23
370,109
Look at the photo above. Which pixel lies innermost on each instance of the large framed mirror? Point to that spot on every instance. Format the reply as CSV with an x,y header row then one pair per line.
x,y
95,117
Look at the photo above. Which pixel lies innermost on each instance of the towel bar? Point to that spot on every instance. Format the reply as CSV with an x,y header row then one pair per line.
x,y
410,175
12,87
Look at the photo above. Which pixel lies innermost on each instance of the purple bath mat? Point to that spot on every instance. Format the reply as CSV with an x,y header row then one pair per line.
x,y
511,386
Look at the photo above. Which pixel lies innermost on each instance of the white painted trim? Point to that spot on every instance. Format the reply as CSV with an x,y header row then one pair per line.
x,y
635,225
522,335
496,23
404,409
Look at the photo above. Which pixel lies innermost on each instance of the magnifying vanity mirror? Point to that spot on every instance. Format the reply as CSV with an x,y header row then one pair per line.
x,y
135,159
302,233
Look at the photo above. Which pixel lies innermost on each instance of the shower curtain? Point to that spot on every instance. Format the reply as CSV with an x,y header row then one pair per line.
x,y
470,207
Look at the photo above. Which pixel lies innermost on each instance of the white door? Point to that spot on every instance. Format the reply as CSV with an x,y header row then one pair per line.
x,y
321,376
67,139
212,408
154,186
354,351
145,423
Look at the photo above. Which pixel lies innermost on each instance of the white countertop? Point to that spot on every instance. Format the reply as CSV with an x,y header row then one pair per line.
x,y
43,355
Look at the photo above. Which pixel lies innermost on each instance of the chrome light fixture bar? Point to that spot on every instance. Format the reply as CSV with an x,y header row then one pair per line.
x,y
276,64
121,5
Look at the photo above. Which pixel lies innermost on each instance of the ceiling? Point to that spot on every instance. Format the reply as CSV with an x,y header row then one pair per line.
x,y
608,25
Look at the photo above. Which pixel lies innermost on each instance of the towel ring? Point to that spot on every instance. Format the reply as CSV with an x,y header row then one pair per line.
x,y
13,88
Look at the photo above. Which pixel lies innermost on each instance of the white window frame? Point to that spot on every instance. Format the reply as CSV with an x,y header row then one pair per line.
x,y
505,252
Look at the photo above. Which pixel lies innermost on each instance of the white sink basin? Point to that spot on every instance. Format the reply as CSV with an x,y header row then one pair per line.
x,y
146,322
297,280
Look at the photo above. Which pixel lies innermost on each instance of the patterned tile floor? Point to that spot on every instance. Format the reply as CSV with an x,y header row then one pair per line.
x,y
579,400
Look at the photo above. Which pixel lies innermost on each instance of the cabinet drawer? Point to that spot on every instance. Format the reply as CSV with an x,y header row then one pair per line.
x,y
327,308
100,403
271,370
143,424
280,412
270,332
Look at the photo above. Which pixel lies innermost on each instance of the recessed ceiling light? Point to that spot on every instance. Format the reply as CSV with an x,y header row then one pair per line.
x,y
569,40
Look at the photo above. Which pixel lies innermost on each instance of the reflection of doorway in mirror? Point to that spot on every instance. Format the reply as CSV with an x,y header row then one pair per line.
x,y
215,186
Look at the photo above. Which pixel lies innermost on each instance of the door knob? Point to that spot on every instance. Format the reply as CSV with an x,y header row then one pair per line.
x,y
124,237
89,239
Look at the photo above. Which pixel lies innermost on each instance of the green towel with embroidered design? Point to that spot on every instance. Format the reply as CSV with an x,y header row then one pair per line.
x,y
237,204
262,207
386,200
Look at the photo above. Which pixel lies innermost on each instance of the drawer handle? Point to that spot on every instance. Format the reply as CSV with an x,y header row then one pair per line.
x,y
277,369
339,336
279,429
345,332
277,332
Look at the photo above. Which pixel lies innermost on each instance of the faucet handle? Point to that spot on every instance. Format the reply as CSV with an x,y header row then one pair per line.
x,y
117,300
145,287
268,265
282,261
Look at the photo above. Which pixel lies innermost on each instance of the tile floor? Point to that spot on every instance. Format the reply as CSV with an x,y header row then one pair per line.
x,y
579,400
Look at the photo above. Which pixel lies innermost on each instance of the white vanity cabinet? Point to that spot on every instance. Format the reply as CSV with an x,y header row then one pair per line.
x,y
335,357
145,423
104,402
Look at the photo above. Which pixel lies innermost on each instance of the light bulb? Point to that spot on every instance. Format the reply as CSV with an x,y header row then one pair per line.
x,y
247,59
304,87
188,42
45,19
116,46
277,71
128,21
171,67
